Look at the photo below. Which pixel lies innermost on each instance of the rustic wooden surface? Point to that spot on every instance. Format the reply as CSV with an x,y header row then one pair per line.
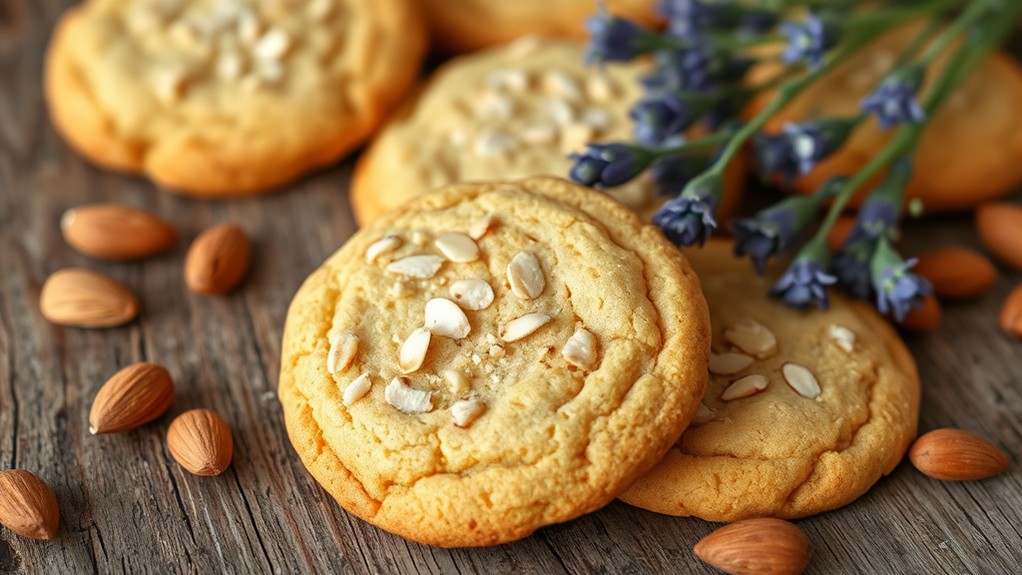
x,y
126,506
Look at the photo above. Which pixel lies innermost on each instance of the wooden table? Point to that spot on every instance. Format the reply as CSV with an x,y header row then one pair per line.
x,y
126,506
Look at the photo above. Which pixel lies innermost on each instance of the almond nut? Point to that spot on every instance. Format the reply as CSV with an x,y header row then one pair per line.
x,y
1000,229
201,442
924,317
764,546
79,297
1011,313
525,276
115,232
444,317
134,396
957,272
27,505
956,455
217,260
406,398
413,351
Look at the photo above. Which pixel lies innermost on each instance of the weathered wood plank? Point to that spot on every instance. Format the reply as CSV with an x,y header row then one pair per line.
x,y
127,507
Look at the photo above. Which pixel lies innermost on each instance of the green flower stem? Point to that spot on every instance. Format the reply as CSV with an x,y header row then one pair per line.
x,y
903,13
976,9
966,58
717,42
691,145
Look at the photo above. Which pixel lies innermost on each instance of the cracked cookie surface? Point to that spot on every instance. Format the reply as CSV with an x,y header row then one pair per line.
x,y
530,348
228,97
839,408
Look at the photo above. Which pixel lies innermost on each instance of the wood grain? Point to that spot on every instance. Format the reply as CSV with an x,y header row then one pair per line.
x,y
127,507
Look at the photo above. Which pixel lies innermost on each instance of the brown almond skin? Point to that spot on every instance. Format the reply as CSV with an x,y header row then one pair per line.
x,y
956,455
78,297
765,546
201,442
27,505
217,260
1011,313
133,397
116,232
999,225
925,317
838,234
957,273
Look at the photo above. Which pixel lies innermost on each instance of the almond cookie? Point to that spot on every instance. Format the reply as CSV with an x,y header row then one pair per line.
x,y
468,25
231,97
492,358
968,154
512,111
804,411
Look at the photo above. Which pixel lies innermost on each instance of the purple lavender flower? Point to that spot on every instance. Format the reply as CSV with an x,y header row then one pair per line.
x,y
808,41
851,267
687,18
771,231
894,100
680,69
805,282
672,173
755,21
688,219
613,39
661,116
801,146
608,165
897,289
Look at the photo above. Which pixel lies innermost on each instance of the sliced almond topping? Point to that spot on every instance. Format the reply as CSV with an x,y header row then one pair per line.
x,y
457,247
477,230
407,399
319,9
168,84
560,111
744,387
492,143
538,134
420,238
520,327
343,348
473,294
729,363
400,290
599,88
249,28
272,45
801,379
842,337
597,118
580,349
752,337
382,246
703,415
357,389
562,84
229,65
413,350
458,382
444,317
465,411
494,106
421,267
525,275
513,79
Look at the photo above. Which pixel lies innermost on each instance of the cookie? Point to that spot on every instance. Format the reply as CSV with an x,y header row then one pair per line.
x,y
804,412
231,97
968,154
492,358
472,24
512,111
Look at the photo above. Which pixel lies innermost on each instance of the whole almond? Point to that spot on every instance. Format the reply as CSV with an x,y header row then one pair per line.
x,y
956,455
83,298
115,232
957,272
27,505
764,546
1000,229
217,260
134,396
201,442
924,317
1011,313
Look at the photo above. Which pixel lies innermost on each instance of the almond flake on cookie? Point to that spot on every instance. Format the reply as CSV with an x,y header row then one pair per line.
x,y
407,399
357,389
801,379
343,348
745,387
420,267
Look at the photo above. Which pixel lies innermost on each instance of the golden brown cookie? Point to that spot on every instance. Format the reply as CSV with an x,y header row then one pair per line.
x,y
468,25
492,358
511,111
220,98
967,155
804,412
